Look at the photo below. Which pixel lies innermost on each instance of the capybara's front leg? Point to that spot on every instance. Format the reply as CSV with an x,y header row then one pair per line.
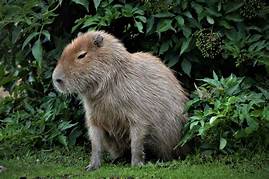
x,y
137,145
96,137
110,146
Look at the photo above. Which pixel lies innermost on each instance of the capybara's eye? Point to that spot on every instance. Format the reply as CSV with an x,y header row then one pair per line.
x,y
82,55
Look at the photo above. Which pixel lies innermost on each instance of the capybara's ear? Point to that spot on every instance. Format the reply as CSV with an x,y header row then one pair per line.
x,y
98,40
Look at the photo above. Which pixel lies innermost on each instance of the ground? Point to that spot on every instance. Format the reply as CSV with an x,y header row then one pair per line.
x,y
71,163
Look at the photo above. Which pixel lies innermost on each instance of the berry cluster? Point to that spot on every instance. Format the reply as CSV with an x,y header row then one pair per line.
x,y
251,8
243,57
156,6
209,43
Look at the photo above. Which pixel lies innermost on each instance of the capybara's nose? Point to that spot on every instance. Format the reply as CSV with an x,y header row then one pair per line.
x,y
58,75
59,81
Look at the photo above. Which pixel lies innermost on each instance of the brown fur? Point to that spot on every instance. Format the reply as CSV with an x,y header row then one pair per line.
x,y
132,101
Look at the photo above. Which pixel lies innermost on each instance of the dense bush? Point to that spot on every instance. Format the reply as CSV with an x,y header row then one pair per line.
x,y
228,113
192,37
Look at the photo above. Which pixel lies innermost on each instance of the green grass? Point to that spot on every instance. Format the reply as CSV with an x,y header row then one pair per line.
x,y
70,164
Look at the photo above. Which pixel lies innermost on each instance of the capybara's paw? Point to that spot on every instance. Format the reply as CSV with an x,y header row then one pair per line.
x,y
93,166
2,168
137,163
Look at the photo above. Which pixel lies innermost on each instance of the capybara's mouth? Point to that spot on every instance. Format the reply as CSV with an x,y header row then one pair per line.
x,y
59,87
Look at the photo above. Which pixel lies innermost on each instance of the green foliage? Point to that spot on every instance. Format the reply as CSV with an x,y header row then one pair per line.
x,y
32,114
249,48
186,34
228,113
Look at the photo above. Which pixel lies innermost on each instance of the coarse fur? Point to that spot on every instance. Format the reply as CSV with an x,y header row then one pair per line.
x,y
132,100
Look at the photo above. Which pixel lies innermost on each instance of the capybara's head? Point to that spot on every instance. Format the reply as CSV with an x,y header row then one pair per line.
x,y
84,62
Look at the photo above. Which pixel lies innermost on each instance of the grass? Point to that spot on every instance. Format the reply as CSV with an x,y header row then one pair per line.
x,y
70,164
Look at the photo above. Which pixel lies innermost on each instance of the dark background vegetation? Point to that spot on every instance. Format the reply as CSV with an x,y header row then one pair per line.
x,y
228,109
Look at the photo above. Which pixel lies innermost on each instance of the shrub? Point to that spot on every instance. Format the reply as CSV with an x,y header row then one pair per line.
x,y
228,113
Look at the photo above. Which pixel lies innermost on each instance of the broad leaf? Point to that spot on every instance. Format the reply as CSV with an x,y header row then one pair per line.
x,y
37,52
29,38
46,34
180,21
62,139
85,3
171,58
185,45
164,14
234,7
150,23
186,66
165,25
96,3
164,47
139,26
210,20
223,143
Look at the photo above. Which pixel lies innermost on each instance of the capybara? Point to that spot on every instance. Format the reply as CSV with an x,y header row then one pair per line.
x,y
132,100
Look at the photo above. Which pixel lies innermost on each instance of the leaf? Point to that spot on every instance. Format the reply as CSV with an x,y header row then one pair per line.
x,y
139,26
190,104
265,113
164,47
188,14
141,18
136,11
185,45
90,21
62,140
264,92
219,5
180,21
172,59
212,82
46,34
85,3
65,125
150,23
213,120
210,20
74,134
225,24
254,38
252,124
215,76
186,31
193,124
164,14
254,28
29,38
223,143
213,12
198,8
186,66
16,34
234,7
230,91
164,25
235,18
37,52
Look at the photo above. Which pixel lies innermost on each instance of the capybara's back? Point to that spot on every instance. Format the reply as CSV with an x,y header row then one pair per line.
x,y
132,101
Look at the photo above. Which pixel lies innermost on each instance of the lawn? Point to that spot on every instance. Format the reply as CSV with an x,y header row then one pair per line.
x,y
70,164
